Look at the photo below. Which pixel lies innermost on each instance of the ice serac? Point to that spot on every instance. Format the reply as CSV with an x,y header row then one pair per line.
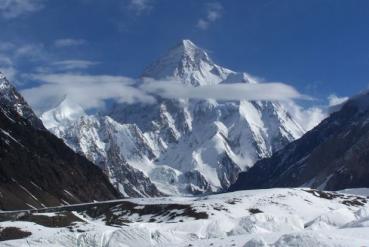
x,y
182,146
36,168
332,156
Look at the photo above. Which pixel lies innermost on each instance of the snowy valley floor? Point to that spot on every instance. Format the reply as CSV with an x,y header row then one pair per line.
x,y
273,217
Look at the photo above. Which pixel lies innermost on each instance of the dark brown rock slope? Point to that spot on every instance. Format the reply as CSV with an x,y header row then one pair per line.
x,y
36,168
332,156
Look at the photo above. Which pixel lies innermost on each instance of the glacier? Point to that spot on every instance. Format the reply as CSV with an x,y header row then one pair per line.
x,y
262,218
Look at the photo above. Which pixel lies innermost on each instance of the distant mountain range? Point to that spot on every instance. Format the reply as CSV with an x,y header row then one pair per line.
x,y
177,146
36,168
332,156
182,147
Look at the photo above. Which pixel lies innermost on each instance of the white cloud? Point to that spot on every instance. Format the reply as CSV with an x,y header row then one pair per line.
x,y
73,64
65,66
68,42
13,55
308,117
14,8
92,91
9,72
202,24
7,66
4,60
335,103
89,91
214,12
14,51
6,46
30,51
140,6
334,100
234,91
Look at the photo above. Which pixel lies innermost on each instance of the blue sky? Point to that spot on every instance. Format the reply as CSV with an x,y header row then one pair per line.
x,y
318,46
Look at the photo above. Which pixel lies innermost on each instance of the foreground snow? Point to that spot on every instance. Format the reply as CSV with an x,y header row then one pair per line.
x,y
274,217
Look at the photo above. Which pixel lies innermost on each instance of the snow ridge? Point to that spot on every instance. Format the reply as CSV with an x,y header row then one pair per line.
x,y
178,146
11,99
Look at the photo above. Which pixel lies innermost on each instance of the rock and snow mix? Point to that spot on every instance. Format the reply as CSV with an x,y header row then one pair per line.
x,y
256,218
177,146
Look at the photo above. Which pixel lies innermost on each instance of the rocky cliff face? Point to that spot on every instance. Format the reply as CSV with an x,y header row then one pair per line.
x,y
179,146
332,156
106,143
36,168
11,99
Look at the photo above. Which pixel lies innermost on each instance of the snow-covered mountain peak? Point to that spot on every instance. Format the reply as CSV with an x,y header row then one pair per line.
x,y
66,111
11,99
189,64
188,48
4,83
187,43
179,146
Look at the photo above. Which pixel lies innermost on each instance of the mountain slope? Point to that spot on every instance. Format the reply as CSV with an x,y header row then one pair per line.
x,y
11,99
182,146
36,168
188,63
106,143
332,156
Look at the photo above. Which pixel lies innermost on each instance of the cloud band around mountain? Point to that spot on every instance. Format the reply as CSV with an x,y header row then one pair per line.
x,y
232,91
91,91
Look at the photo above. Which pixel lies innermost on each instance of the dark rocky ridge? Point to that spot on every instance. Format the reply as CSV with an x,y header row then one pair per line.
x,y
11,99
36,168
332,156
